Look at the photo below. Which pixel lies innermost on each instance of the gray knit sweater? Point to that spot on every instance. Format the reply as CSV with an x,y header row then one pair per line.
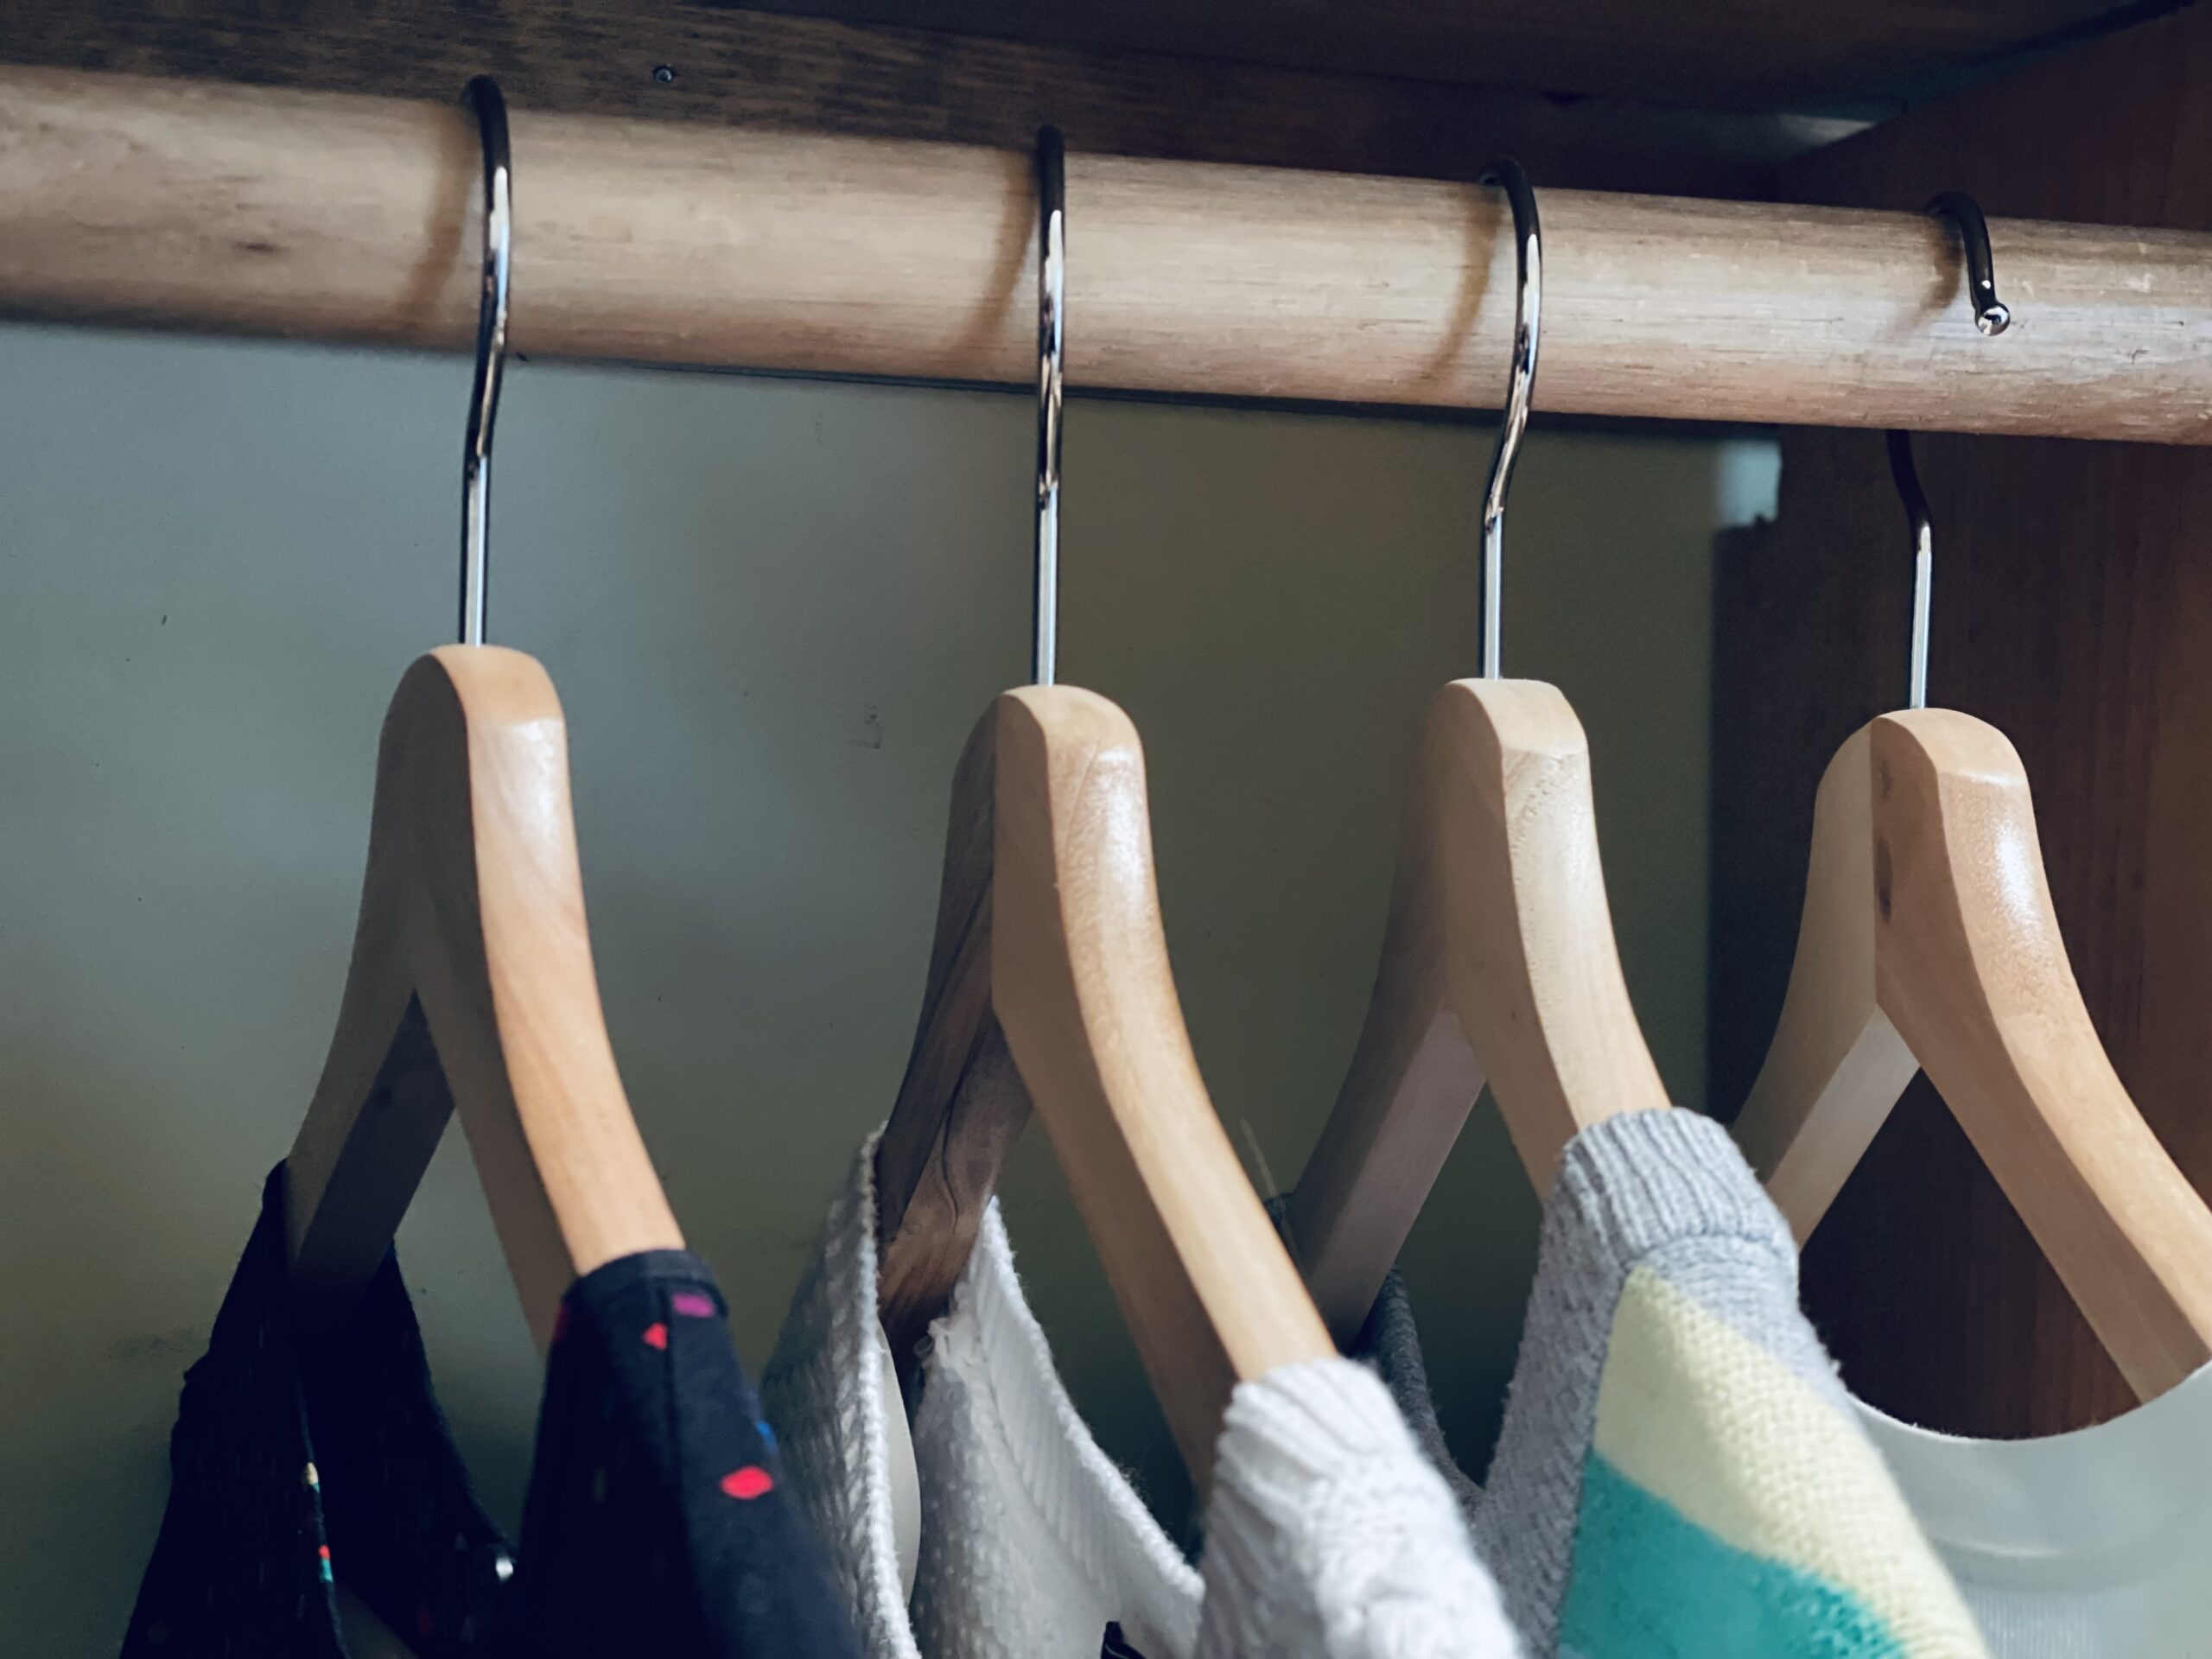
x,y
1330,1536
1680,1470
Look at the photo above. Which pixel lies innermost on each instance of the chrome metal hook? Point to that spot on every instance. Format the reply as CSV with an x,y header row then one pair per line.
x,y
491,108
1992,316
1528,309
1051,281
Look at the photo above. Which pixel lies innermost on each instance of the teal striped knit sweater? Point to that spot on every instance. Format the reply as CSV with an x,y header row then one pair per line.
x,y
1679,1471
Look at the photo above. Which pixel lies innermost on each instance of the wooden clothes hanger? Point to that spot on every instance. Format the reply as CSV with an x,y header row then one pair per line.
x,y
471,982
1929,943
1499,961
1049,982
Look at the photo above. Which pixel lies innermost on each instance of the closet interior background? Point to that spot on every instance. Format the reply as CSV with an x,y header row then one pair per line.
x,y
774,606
773,609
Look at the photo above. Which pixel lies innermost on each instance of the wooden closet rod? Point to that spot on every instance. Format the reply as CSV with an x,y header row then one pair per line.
x,y
222,209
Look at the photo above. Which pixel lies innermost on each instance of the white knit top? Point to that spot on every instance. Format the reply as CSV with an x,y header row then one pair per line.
x,y
1329,1533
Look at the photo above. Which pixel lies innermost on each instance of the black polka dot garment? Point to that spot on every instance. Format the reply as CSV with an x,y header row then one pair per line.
x,y
657,1520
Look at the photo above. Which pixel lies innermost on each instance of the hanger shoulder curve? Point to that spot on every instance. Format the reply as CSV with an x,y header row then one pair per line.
x,y
1836,1065
1930,941
1551,965
1050,983
1973,971
1084,992
1498,961
471,984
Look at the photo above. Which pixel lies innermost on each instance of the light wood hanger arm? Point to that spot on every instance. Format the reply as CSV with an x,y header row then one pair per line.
x,y
1499,961
1836,1065
1052,952
1927,814
961,1104
471,984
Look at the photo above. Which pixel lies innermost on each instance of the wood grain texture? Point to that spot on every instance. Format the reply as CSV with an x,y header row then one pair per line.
x,y
1056,943
1949,954
2072,602
1499,962
240,210
472,987
1972,969
1745,53
678,61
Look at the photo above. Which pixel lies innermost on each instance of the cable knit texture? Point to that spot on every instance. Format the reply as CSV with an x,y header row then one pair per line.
x,y
1388,1343
1680,1469
1329,1535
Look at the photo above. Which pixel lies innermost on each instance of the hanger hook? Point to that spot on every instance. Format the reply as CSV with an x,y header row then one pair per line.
x,y
491,108
1992,316
1528,307
1051,317
1924,560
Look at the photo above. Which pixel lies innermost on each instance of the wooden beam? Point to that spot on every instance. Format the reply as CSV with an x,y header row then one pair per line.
x,y
230,209
671,59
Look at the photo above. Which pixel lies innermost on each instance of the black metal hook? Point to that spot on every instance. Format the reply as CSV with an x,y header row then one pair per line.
x,y
1992,316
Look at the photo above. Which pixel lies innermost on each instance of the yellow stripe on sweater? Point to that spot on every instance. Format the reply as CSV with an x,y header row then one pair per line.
x,y
1697,1413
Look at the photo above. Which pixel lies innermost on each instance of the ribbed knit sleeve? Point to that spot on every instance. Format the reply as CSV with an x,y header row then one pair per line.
x,y
828,1399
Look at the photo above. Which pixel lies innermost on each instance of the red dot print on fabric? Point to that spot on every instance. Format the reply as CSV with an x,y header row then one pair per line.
x,y
692,1305
748,1483
657,1336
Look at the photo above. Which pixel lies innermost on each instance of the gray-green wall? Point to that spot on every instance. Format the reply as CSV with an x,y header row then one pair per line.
x,y
773,609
